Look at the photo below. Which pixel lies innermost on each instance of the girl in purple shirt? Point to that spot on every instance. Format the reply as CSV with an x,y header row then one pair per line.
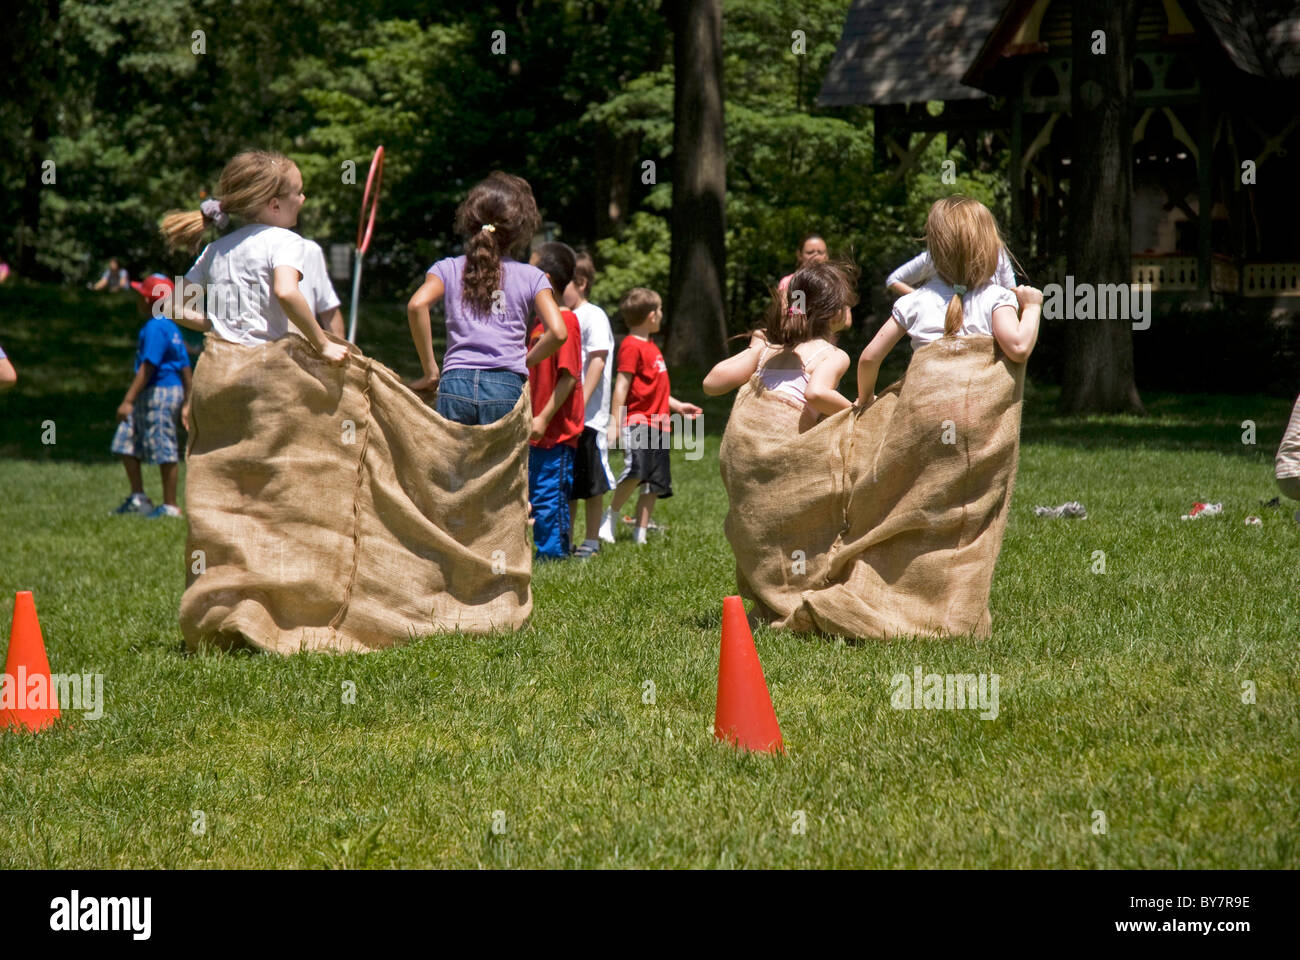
x,y
490,297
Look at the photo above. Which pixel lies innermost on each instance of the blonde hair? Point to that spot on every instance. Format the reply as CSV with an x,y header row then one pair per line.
x,y
249,182
964,242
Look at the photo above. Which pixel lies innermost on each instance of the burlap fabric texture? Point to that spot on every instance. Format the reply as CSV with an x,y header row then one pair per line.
x,y
331,509
884,521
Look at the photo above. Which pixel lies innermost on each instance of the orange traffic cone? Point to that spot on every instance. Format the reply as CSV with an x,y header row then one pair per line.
x,y
27,697
745,716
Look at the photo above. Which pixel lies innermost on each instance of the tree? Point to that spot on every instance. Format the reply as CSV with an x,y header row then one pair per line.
x,y
697,281
1099,353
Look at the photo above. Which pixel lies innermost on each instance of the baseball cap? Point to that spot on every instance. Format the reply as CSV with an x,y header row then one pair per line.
x,y
153,288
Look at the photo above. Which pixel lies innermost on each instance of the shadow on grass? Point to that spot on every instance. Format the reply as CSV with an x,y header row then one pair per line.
x,y
74,352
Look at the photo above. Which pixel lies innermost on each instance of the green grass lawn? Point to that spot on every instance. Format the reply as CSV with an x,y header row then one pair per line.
x,y
1120,692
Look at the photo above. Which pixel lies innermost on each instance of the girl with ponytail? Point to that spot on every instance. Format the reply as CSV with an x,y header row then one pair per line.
x,y
249,277
489,299
960,300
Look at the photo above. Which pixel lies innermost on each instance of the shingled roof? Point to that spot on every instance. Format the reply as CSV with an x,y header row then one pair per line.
x,y
910,52
1262,38
893,52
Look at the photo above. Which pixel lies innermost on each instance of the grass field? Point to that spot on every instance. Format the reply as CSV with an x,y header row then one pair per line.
x,y
1120,692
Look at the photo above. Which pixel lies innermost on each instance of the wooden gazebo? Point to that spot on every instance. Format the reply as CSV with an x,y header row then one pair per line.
x,y
1216,131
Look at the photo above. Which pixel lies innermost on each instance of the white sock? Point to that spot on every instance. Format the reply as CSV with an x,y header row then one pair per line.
x,y
595,544
639,536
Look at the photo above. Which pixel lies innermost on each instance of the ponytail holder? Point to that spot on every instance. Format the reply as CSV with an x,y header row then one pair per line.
x,y
792,312
959,288
489,228
211,209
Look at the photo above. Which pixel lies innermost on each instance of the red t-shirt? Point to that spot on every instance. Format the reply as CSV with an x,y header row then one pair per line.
x,y
566,426
647,394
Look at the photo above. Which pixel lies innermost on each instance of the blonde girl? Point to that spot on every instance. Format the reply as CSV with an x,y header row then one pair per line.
x,y
250,276
960,300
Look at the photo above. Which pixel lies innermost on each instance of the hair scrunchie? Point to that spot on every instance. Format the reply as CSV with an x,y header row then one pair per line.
x,y
489,228
211,209
959,289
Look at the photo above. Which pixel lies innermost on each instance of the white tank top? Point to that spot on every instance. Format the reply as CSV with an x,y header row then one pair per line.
x,y
791,382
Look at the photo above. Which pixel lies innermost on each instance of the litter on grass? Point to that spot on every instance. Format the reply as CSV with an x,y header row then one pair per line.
x,y
1072,509
1200,510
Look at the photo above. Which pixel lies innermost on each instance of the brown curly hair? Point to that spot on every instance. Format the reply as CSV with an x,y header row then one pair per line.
x,y
504,203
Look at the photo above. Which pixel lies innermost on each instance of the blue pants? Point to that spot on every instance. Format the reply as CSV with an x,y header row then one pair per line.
x,y
550,483
478,396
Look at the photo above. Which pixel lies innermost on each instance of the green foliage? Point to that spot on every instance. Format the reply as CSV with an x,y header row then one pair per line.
x,y
581,98
638,257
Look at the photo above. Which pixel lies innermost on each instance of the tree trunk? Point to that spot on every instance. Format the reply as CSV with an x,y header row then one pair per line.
x,y
1099,353
44,80
696,308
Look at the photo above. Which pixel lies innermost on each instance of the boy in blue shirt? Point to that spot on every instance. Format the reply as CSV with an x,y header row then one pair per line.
x,y
146,429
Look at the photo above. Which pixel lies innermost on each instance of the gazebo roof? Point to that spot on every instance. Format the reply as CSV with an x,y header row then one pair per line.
x,y
908,52
892,52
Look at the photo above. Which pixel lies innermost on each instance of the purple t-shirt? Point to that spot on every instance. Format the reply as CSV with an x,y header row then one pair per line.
x,y
495,341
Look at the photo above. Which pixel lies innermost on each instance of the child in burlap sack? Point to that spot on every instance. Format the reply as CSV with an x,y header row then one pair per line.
x,y
960,300
793,355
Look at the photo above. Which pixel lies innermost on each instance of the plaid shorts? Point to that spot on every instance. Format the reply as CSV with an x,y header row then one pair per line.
x,y
149,434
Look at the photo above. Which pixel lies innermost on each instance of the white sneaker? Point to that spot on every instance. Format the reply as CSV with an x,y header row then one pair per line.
x,y
607,527
639,535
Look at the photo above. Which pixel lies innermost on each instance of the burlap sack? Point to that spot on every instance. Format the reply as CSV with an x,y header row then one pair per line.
x,y
885,521
333,510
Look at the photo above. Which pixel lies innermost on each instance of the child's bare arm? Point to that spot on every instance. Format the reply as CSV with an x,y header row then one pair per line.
x,y
138,383
331,321
595,371
731,373
688,410
417,315
284,285
823,385
616,412
187,379
564,385
873,355
177,311
556,332
1017,335
8,375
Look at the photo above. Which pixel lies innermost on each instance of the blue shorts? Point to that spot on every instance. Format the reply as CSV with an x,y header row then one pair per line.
x,y
149,434
477,397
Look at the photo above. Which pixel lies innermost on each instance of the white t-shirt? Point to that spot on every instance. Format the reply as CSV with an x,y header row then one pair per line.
x,y
921,313
917,271
237,272
597,334
316,285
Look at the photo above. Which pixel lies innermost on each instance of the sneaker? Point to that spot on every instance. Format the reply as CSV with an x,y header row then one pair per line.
x,y
639,537
586,550
607,527
136,503
165,510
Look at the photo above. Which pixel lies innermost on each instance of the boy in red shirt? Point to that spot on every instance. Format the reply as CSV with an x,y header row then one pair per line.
x,y
641,405
557,415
